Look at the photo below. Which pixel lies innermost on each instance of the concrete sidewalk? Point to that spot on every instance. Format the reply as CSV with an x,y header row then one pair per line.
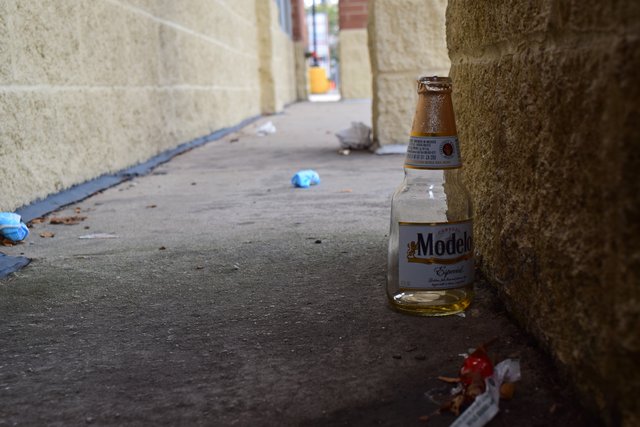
x,y
231,298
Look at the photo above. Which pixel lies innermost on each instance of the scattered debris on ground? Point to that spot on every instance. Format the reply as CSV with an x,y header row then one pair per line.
x,y
479,387
67,220
99,236
35,221
357,137
266,129
305,178
7,242
12,228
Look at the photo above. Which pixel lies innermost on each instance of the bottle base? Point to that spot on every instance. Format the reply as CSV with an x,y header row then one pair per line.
x,y
432,303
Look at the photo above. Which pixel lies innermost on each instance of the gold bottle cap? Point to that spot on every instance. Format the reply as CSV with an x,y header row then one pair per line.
x,y
434,84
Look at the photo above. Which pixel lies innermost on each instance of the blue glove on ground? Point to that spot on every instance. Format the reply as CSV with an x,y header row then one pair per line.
x,y
305,178
12,228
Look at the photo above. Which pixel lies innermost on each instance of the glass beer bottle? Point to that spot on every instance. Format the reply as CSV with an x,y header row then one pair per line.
x,y
430,259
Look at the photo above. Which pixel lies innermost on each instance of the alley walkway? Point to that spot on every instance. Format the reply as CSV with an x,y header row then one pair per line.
x,y
231,298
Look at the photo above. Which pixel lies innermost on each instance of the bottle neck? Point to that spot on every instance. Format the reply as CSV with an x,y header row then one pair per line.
x,y
413,174
434,114
434,141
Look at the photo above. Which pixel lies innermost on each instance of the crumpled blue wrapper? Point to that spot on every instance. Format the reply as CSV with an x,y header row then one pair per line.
x,y
12,227
305,178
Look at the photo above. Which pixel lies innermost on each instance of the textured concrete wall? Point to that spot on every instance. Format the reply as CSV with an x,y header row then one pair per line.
x,y
355,65
302,70
406,40
284,68
277,64
93,86
301,41
547,99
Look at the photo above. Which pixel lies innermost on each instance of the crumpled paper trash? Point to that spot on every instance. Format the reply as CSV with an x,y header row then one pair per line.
x,y
305,178
357,137
12,227
266,129
485,407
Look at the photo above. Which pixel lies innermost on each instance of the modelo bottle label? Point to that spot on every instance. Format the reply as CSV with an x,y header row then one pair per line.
x,y
435,255
433,152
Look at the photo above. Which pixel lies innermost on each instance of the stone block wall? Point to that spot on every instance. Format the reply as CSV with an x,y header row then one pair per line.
x,y
92,86
355,66
277,63
300,42
406,40
547,97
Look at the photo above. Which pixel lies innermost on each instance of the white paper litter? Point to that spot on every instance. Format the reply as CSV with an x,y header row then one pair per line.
x,y
357,137
266,129
98,236
485,407
392,149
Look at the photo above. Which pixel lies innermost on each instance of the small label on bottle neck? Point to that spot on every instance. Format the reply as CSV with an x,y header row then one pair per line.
x,y
433,152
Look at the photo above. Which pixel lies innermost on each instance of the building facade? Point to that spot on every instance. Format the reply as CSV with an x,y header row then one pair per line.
x,y
92,87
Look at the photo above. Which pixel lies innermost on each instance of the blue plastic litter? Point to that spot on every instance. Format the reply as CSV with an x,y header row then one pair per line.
x,y
305,178
12,227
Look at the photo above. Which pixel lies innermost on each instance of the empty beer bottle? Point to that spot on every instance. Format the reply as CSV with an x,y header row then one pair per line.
x,y
430,259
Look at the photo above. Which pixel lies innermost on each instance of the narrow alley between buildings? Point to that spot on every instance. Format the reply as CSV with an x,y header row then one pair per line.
x,y
229,297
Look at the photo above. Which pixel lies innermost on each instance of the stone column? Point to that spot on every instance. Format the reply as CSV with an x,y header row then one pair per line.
x,y
355,67
300,43
406,40
277,63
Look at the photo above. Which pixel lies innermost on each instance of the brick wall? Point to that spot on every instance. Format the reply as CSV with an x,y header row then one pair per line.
x,y
353,14
299,21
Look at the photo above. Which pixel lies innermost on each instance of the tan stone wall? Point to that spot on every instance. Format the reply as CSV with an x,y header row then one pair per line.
x,y
547,98
406,40
93,86
355,65
302,70
284,68
277,64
